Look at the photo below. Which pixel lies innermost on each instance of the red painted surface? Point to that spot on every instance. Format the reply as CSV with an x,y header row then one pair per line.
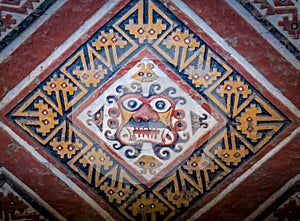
x,y
259,186
228,24
43,182
47,38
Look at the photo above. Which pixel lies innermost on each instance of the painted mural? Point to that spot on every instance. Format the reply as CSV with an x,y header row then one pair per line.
x,y
147,115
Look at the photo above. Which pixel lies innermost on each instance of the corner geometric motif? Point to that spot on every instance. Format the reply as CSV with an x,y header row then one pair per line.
x,y
180,42
85,68
147,205
203,74
106,41
179,192
142,30
231,154
145,28
38,117
91,158
67,144
60,85
259,123
201,165
230,90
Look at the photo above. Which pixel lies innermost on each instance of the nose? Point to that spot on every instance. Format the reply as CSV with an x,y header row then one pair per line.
x,y
145,113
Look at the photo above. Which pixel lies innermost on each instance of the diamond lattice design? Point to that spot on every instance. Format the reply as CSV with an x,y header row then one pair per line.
x,y
147,114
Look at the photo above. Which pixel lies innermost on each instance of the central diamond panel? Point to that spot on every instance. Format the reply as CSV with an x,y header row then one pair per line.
x,y
147,120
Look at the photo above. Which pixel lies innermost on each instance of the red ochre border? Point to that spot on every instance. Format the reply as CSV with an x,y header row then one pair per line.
x,y
15,68
256,188
222,18
147,53
44,183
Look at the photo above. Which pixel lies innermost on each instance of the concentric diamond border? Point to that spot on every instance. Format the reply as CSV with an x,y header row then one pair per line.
x,y
206,134
255,100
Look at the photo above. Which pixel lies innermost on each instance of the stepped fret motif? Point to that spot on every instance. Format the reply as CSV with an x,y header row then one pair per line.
x,y
148,115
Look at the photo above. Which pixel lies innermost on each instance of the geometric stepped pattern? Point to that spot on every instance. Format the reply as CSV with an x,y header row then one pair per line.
x,y
132,71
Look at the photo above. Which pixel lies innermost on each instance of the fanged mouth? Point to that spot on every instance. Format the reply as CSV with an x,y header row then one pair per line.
x,y
135,135
142,132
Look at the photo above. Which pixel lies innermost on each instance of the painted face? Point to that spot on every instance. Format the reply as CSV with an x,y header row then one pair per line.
x,y
148,163
147,120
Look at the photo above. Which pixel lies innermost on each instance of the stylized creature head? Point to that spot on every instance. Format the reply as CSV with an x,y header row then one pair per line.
x,y
147,120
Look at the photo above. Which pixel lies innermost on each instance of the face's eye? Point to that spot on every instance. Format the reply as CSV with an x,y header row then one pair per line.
x,y
160,105
132,104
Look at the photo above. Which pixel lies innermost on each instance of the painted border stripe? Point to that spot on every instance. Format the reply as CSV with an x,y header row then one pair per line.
x,y
240,179
265,33
273,198
24,35
58,173
88,24
33,194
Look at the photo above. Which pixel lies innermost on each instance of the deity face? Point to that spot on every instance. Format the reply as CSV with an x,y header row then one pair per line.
x,y
147,120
